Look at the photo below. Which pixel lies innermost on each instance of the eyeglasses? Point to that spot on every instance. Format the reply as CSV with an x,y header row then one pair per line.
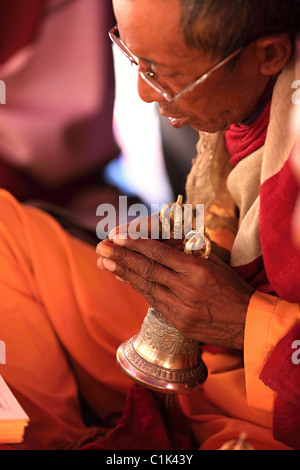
x,y
149,76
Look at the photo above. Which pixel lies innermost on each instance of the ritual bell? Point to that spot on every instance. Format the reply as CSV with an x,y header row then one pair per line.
x,y
159,357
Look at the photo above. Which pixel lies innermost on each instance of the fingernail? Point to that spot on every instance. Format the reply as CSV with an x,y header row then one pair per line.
x,y
100,263
112,233
117,233
105,250
120,239
109,265
121,280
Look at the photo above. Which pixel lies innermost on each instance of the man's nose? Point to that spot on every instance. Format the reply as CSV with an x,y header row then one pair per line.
x,y
147,93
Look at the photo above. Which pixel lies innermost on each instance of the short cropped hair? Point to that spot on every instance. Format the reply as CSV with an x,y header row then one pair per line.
x,y
219,27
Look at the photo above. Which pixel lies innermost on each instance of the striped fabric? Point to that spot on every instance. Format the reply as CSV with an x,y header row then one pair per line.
x,y
261,185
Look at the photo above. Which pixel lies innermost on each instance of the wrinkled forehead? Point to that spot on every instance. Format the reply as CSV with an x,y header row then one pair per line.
x,y
150,27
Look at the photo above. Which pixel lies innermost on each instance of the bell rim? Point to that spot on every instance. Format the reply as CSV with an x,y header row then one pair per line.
x,y
155,383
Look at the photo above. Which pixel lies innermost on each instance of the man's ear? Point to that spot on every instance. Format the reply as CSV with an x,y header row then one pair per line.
x,y
275,52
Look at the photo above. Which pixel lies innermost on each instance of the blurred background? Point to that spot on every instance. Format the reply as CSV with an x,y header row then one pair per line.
x,y
73,133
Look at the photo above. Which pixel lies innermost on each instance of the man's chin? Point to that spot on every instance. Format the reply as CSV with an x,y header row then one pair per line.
x,y
199,126
209,128
178,123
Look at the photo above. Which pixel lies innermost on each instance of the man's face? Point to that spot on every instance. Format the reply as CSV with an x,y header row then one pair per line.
x,y
151,29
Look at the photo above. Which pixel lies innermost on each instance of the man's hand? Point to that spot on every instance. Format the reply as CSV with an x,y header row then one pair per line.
x,y
204,299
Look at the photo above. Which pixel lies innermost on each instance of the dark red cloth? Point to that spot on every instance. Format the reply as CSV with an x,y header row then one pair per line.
x,y
277,271
278,197
242,140
146,424
255,274
18,25
282,374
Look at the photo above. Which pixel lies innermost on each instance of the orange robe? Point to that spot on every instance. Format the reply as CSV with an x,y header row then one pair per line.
x,y
62,320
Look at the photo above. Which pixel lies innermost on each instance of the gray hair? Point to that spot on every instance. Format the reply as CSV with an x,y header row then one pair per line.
x,y
219,27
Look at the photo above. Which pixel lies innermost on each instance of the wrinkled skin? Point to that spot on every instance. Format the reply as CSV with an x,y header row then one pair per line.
x,y
204,299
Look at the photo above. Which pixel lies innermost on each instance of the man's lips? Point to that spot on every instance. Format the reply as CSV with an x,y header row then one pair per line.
x,y
177,122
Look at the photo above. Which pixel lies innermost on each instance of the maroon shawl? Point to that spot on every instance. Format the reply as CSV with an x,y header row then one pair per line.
x,y
277,272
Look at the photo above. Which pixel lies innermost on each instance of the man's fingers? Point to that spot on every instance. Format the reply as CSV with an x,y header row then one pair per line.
x,y
154,250
157,295
143,227
122,261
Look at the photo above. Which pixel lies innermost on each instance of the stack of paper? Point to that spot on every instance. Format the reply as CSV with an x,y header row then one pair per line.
x,y
13,419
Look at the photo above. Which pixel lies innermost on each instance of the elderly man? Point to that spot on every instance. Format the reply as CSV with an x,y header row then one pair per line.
x,y
250,305
225,68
